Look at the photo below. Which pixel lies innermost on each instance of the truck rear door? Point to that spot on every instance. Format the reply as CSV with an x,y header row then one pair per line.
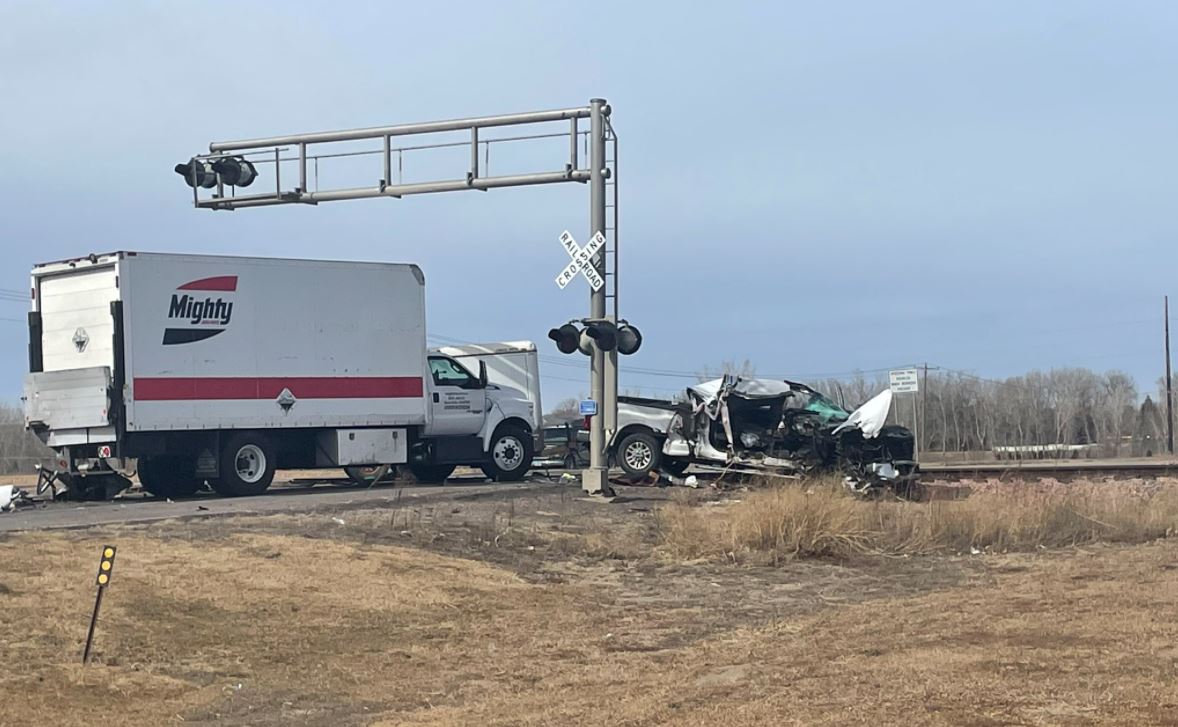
x,y
77,329
70,393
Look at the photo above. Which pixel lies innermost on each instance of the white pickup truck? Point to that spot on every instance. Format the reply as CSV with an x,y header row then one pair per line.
x,y
763,424
193,368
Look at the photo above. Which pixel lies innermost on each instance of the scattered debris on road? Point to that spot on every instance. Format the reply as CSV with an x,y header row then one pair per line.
x,y
12,497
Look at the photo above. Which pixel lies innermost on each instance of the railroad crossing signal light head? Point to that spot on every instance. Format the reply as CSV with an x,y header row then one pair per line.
x,y
567,337
197,174
235,171
604,334
600,335
629,339
106,565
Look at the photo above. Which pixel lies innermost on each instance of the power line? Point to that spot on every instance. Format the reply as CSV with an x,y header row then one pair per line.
x,y
682,374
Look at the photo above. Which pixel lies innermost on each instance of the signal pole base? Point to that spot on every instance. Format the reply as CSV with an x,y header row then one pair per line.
x,y
596,482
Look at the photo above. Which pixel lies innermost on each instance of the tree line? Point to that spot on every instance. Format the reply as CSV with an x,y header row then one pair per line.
x,y
956,412
960,412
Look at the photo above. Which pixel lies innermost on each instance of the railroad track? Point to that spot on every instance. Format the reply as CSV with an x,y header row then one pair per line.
x,y
1052,468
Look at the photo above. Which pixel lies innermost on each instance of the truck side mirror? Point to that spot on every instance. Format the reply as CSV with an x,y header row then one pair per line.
x,y
482,374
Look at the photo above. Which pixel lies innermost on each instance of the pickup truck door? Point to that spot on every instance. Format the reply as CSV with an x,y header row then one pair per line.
x,y
457,398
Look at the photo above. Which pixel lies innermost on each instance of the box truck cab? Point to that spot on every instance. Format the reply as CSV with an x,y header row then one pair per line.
x,y
499,406
193,368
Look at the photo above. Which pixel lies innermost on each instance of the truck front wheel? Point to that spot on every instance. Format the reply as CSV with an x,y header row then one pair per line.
x,y
510,456
247,465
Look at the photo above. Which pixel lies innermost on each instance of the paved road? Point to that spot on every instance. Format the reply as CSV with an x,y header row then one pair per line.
x,y
139,508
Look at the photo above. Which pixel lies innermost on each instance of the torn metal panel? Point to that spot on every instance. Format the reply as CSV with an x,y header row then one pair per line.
x,y
870,417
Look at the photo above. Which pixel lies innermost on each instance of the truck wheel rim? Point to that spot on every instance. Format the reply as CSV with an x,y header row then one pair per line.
x,y
250,463
508,454
638,456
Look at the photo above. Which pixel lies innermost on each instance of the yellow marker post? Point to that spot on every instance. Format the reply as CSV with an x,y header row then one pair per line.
x,y
105,568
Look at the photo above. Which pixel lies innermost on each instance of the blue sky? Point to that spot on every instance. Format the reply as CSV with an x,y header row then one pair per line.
x,y
816,187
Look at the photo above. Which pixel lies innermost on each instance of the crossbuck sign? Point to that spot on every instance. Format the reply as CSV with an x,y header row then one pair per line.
x,y
582,260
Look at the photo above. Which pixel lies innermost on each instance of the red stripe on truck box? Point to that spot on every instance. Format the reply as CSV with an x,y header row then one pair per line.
x,y
303,387
221,282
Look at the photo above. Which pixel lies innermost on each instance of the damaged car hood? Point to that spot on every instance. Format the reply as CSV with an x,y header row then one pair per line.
x,y
868,419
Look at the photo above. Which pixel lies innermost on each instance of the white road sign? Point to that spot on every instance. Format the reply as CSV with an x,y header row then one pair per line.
x,y
903,381
582,260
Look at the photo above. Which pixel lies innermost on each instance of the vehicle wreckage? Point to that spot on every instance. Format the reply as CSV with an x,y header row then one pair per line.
x,y
766,425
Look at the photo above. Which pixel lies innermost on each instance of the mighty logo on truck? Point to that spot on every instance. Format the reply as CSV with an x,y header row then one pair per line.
x,y
205,315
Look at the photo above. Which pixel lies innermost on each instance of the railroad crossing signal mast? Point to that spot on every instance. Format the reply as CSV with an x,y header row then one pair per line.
x,y
230,167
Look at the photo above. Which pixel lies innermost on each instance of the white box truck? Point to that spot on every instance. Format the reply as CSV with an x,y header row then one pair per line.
x,y
194,368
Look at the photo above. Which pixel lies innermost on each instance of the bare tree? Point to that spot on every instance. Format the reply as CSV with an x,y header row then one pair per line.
x,y
19,450
566,410
745,370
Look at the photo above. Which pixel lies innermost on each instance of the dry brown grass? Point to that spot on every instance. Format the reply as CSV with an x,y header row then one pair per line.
x,y
820,519
234,622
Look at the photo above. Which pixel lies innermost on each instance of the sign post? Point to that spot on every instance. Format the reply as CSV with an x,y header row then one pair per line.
x,y
105,568
907,381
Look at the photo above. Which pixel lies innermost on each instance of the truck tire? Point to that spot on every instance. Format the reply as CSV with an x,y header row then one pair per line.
x,y
247,465
168,476
369,475
431,474
511,453
638,453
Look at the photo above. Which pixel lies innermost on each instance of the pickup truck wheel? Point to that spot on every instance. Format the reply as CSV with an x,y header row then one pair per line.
x,y
639,453
168,476
511,454
247,466
431,474
369,475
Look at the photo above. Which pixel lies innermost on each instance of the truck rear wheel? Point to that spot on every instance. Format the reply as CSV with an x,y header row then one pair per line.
x,y
639,453
510,456
247,465
168,476
431,474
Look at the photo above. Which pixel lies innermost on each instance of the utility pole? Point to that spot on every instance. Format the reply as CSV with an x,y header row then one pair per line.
x,y
923,405
595,480
1169,393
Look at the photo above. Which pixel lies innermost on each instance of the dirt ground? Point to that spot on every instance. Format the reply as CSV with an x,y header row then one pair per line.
x,y
543,608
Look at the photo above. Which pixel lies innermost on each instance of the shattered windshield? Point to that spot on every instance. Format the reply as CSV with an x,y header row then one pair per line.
x,y
823,407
